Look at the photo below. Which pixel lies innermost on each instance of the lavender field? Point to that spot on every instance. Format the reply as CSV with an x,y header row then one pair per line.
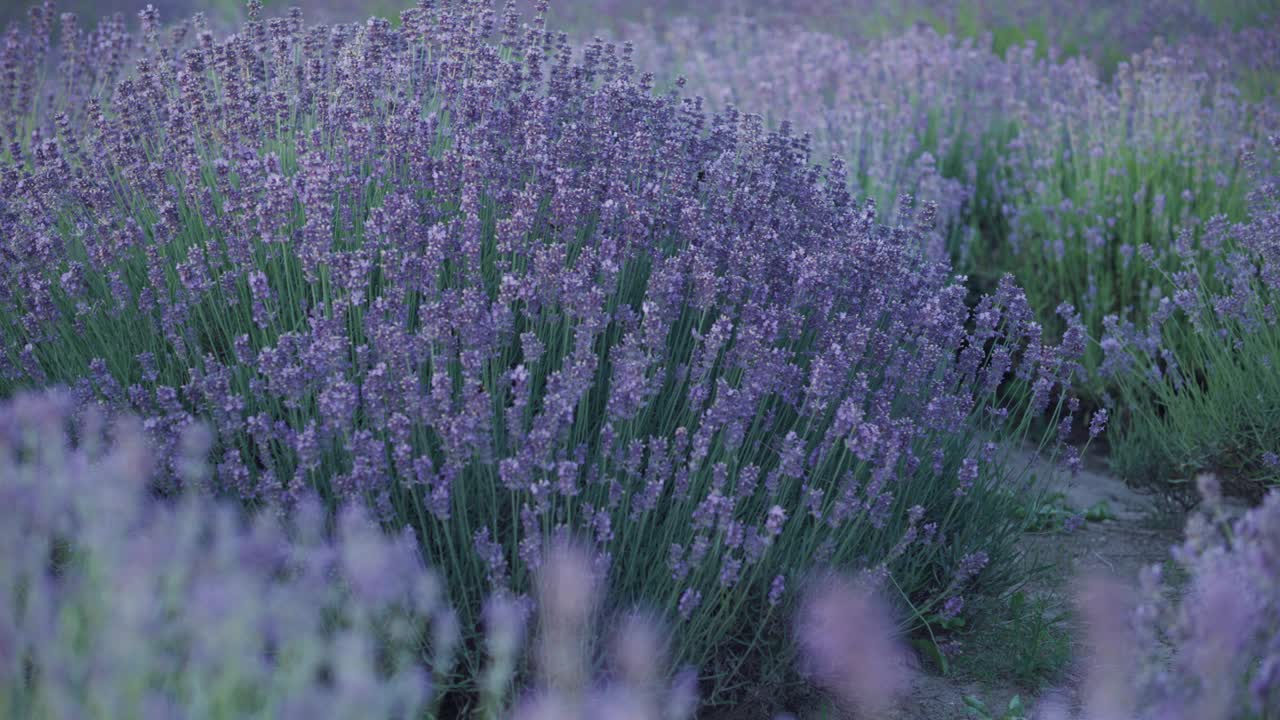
x,y
749,359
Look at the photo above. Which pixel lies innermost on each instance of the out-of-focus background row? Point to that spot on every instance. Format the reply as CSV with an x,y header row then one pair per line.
x,y
1104,30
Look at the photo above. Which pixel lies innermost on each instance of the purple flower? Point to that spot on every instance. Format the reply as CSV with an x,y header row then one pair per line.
x,y
970,565
730,569
1098,423
337,403
1072,460
773,524
676,562
844,633
952,607
776,589
493,556
690,599
967,476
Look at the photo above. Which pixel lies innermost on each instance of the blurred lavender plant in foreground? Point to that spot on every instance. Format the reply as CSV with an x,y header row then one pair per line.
x,y
1206,649
116,604
845,637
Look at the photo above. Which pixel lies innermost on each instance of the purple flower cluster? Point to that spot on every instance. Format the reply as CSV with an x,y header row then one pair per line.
x,y
845,636
893,110
1208,650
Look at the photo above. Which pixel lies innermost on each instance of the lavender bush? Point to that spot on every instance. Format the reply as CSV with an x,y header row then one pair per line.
x,y
1103,32
1198,382
501,295
1097,173
1203,648
912,115
1040,167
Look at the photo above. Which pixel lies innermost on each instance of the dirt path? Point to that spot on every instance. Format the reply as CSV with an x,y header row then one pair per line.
x,y
1134,536
1135,533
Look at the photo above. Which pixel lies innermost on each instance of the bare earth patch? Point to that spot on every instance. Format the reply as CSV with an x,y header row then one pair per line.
x,y
1138,534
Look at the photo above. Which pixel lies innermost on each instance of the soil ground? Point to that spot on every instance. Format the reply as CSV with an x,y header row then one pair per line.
x,y
1138,534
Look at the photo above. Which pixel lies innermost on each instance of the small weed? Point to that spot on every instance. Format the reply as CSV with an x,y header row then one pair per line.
x,y
1099,511
1048,514
1015,710
933,646
1025,641
1053,513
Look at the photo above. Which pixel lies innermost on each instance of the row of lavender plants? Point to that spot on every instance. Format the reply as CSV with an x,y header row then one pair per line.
x,y
1118,196
1100,30
1104,32
1199,380
115,603
497,290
